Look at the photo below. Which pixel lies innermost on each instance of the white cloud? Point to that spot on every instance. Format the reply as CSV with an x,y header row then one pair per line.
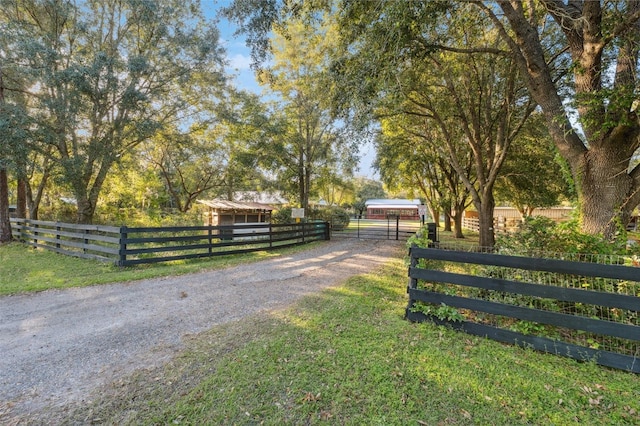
x,y
239,62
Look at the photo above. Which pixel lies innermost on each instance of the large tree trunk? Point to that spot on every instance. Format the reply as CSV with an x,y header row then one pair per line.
x,y
457,219
607,191
457,225
604,188
21,198
5,223
485,219
85,211
87,201
87,194
34,199
447,220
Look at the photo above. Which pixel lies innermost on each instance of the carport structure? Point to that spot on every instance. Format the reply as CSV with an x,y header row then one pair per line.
x,y
224,212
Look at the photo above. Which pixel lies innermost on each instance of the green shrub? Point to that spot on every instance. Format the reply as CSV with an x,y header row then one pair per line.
x,y
282,215
538,234
135,217
337,216
419,239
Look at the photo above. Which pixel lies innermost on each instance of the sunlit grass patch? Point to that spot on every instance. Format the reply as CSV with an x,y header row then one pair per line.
x,y
347,356
24,269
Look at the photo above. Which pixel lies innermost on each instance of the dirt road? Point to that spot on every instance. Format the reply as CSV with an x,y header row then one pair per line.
x,y
58,346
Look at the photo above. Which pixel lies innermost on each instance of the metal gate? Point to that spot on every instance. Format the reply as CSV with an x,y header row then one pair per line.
x,y
391,228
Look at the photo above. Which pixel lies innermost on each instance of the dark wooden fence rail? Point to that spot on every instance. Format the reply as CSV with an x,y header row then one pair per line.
x,y
151,245
131,246
608,300
86,241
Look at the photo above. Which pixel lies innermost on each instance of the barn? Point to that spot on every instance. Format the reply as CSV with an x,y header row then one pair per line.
x,y
386,208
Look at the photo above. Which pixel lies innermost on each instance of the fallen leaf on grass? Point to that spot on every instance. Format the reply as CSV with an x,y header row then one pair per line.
x,y
310,397
595,401
325,415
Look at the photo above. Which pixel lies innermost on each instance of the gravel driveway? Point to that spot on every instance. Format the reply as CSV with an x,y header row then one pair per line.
x,y
59,345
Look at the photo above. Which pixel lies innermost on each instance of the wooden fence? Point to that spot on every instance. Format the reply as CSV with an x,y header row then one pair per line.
x,y
595,311
126,246
500,224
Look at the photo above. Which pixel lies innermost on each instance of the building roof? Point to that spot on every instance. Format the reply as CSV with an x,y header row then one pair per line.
x,y
392,203
262,197
218,203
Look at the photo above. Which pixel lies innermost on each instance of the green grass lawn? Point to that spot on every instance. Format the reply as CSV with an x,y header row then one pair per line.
x,y
24,269
471,239
347,356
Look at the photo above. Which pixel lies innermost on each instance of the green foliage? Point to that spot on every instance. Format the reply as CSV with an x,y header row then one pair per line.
x,y
336,216
368,188
534,174
541,237
282,215
137,217
102,86
420,238
310,141
538,234
528,327
442,311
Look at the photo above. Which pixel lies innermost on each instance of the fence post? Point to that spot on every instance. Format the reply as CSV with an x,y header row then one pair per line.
x,y
413,282
327,231
58,228
35,235
270,235
86,240
122,252
210,234
432,234
388,227
397,227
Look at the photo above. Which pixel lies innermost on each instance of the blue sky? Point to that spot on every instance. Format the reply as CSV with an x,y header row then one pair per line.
x,y
238,54
239,58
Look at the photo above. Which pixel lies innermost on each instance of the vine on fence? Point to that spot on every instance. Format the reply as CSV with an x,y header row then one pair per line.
x,y
541,237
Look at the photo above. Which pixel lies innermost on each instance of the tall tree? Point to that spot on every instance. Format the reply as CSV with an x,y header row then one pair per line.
x,y
408,155
475,100
385,67
334,189
311,139
109,75
603,41
244,131
189,165
14,132
5,223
